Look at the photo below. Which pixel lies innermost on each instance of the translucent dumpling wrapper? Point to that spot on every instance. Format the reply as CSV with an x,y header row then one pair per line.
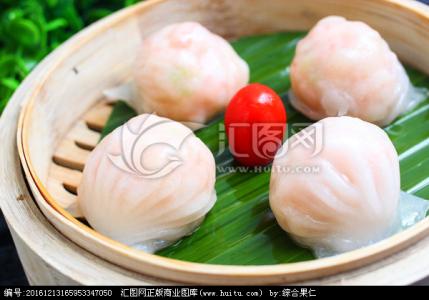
x,y
184,72
148,183
335,187
346,68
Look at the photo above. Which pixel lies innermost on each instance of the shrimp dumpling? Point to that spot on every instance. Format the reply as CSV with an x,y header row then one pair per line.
x,y
187,73
148,183
346,68
349,196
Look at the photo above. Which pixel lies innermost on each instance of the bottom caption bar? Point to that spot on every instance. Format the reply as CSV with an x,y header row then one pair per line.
x,y
273,292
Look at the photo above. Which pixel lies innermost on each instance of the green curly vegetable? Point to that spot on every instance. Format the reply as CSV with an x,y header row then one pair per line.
x,y
30,29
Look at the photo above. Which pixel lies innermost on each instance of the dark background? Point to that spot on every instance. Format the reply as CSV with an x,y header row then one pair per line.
x,y
10,267
11,272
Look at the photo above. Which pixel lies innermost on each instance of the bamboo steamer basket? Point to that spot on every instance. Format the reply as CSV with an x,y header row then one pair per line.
x,y
54,117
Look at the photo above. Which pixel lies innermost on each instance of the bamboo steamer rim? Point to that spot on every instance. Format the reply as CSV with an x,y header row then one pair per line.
x,y
207,272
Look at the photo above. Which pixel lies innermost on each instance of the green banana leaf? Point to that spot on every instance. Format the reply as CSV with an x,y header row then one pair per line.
x,y
240,229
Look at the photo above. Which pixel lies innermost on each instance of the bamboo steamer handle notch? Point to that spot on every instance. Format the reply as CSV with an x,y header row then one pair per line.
x,y
43,249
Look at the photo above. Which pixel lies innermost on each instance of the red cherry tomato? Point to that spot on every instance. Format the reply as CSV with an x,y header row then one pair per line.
x,y
255,122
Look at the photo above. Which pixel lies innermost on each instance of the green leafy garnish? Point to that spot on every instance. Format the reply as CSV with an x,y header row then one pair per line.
x,y
30,29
